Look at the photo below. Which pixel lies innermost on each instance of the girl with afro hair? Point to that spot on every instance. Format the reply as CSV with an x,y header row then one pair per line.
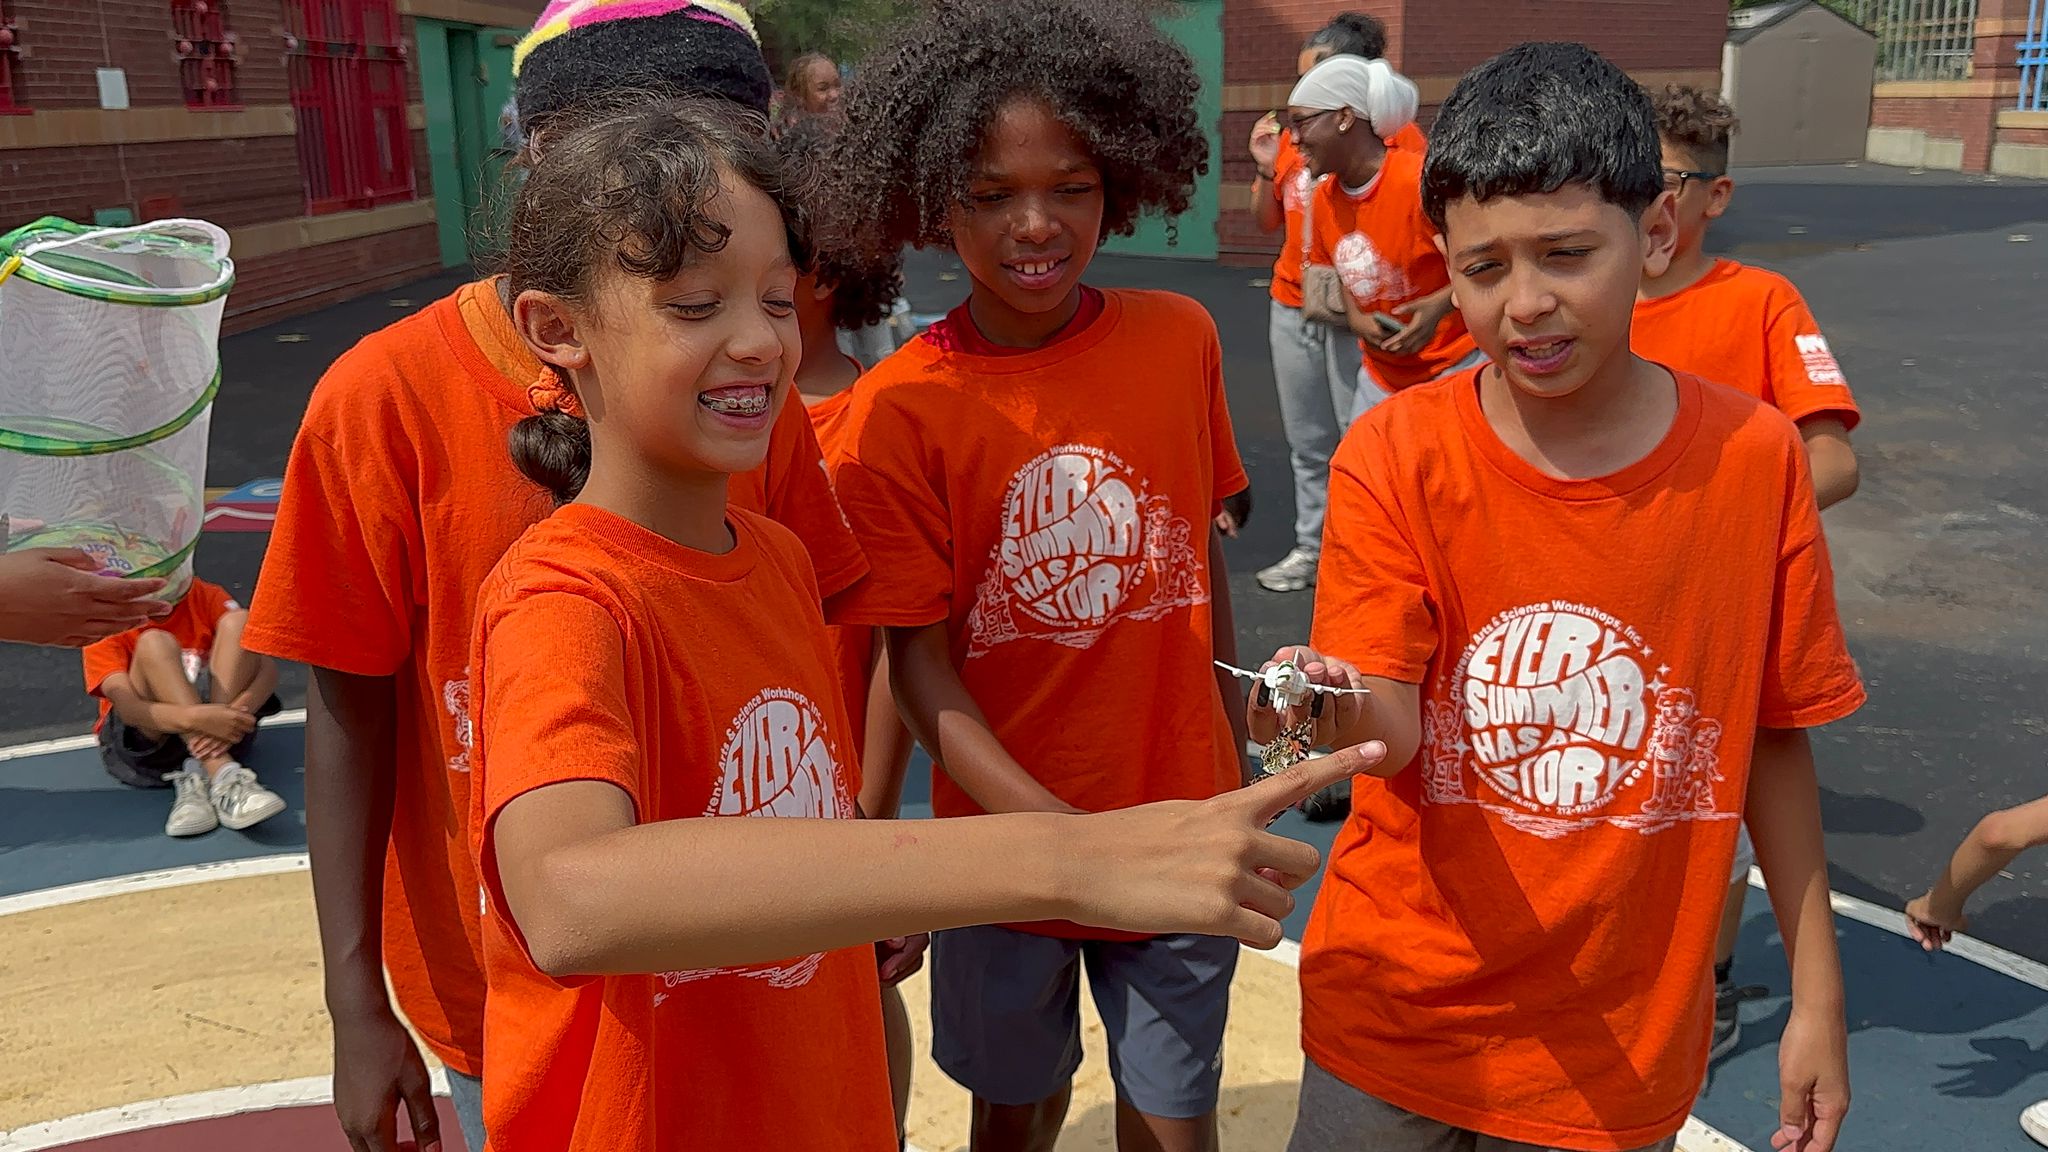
x,y
1040,470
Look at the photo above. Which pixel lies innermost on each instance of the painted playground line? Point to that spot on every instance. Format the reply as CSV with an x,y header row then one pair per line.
x,y
90,1128
86,865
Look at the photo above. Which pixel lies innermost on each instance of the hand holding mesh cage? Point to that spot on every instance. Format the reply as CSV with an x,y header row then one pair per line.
x,y
109,363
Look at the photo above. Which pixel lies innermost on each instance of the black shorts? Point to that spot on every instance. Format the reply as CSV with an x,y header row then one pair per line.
x,y
140,760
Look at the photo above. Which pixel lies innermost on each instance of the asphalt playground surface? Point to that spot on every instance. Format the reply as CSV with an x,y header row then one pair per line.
x,y
1933,289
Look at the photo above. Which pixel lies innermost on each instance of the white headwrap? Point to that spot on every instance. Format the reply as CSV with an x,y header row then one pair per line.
x,y
1371,88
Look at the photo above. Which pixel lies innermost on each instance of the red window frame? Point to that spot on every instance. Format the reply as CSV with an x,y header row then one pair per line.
x,y
11,54
347,65
206,53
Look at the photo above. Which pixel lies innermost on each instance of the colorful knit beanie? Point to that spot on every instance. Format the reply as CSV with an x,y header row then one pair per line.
x,y
583,51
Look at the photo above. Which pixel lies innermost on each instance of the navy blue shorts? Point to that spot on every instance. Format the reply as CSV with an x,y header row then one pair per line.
x,y
1006,1015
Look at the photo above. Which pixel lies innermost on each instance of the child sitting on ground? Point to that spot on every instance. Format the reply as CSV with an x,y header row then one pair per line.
x,y
179,702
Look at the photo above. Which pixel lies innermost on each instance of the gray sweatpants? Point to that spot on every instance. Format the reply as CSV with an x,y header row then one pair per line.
x,y
1315,371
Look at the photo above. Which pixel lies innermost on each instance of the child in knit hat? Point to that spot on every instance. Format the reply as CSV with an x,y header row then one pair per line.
x,y
398,500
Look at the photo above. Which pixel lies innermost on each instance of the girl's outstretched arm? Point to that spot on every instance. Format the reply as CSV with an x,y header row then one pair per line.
x,y
593,893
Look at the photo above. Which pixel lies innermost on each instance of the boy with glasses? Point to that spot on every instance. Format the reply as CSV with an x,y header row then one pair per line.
x,y
1740,326
1750,329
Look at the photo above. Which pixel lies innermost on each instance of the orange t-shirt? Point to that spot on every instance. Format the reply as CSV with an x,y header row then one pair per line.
x,y
1052,509
1384,250
829,423
1294,186
1750,329
853,646
399,497
697,684
192,623
1516,931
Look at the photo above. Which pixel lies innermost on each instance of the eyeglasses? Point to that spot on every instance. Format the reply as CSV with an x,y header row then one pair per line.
x,y
1300,123
1675,178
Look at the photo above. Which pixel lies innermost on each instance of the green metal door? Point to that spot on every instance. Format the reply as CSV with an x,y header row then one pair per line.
x,y
494,90
1197,25
472,136
466,77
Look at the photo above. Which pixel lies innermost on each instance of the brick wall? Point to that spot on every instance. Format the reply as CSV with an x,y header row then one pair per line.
x,y
287,284
1263,38
1970,119
235,183
1433,42
67,47
1968,112
1446,39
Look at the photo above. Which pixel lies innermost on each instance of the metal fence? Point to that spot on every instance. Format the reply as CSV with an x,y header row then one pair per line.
x,y
1919,39
2033,59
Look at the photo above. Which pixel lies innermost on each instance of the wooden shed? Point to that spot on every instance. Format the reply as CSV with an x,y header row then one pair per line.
x,y
1799,75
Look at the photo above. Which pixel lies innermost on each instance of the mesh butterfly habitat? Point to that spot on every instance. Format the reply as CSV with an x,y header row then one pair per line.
x,y
109,364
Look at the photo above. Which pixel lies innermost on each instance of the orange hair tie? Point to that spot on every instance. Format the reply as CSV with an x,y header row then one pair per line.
x,y
549,394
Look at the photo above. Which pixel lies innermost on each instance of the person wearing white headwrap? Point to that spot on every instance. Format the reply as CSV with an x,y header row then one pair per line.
x,y
1366,221
1315,365
1369,88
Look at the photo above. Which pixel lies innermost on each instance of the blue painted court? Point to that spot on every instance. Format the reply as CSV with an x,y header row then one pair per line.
x,y
1945,1051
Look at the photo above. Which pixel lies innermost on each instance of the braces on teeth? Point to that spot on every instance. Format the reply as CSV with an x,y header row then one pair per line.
x,y
738,407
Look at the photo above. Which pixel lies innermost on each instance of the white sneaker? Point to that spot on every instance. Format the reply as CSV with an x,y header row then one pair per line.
x,y
240,801
1294,572
191,808
2034,1121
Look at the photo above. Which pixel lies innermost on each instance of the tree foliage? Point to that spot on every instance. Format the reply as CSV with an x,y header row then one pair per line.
x,y
842,29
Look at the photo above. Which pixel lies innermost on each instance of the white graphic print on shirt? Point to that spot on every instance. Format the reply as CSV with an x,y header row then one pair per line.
x,y
1295,196
1554,716
1082,536
777,761
455,698
1366,274
1821,366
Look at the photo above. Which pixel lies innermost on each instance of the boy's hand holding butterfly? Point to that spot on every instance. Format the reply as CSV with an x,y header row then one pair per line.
x,y
1333,713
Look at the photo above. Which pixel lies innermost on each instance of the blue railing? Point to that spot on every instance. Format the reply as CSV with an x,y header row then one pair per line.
x,y
2033,59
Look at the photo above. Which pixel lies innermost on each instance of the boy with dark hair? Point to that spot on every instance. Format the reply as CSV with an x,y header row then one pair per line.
x,y
1750,329
1512,942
